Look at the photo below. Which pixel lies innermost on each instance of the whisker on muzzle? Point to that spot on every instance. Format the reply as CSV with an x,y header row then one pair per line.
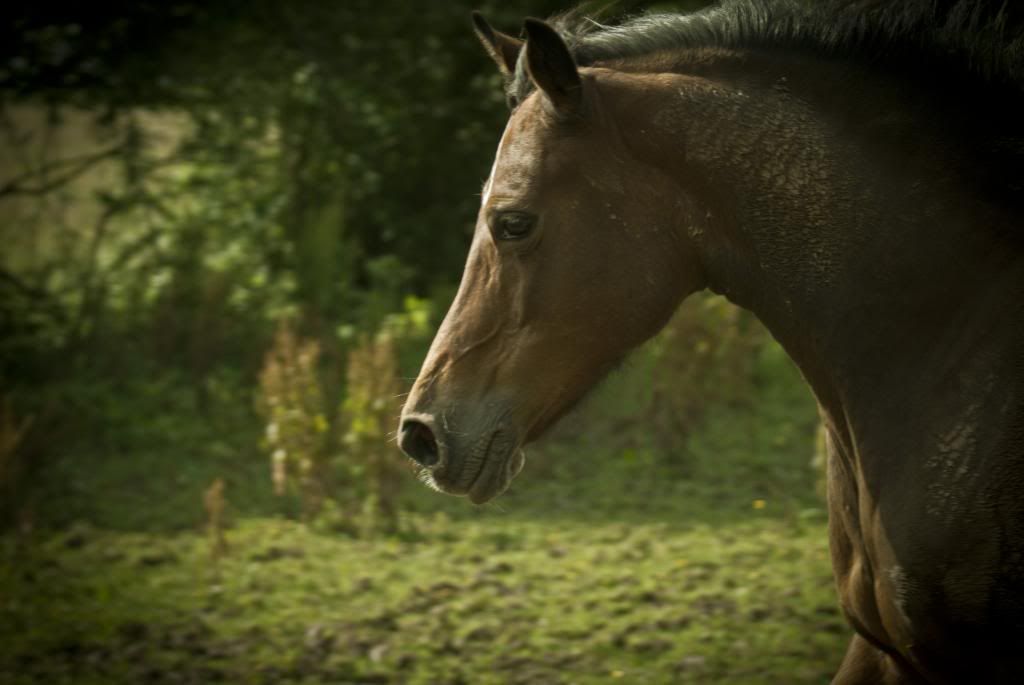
x,y
427,479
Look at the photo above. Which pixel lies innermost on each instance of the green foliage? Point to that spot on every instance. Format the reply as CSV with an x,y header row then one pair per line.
x,y
706,357
611,567
136,453
368,416
13,429
287,147
292,404
181,177
411,329
345,469
605,561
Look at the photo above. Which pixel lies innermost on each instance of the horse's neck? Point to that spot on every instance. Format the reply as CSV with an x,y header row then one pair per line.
x,y
854,255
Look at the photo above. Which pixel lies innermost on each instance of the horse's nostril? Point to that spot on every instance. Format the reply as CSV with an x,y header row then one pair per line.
x,y
417,440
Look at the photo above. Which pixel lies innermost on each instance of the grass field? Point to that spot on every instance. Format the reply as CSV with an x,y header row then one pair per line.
x,y
602,564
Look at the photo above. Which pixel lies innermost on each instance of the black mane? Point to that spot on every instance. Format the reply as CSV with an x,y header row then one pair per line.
x,y
975,40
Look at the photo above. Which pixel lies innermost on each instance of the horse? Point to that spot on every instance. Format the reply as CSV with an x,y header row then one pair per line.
x,y
851,173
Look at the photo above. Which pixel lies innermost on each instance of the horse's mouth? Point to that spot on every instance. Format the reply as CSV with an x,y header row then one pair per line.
x,y
496,475
484,478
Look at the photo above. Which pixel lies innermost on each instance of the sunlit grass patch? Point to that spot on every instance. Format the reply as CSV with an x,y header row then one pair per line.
x,y
746,602
605,562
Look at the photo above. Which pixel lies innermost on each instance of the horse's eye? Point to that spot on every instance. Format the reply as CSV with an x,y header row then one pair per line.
x,y
513,225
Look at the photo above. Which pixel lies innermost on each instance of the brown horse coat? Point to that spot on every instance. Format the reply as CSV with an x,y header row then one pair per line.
x,y
872,221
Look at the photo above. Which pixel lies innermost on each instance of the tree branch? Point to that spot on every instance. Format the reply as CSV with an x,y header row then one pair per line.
x,y
33,293
72,168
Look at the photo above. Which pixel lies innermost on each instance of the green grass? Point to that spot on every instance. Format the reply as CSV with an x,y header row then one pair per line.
x,y
600,565
472,601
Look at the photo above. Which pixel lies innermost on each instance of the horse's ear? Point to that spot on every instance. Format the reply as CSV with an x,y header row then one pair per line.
x,y
502,48
552,67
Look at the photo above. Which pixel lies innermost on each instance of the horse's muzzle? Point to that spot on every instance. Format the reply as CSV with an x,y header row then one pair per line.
x,y
479,463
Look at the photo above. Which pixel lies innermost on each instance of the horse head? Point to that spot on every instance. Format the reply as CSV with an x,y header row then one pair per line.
x,y
577,257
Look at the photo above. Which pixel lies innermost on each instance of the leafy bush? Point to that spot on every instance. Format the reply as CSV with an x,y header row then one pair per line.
x,y
369,413
344,466
704,358
291,402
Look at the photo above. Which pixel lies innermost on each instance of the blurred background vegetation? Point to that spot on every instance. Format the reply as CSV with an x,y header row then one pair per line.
x,y
229,231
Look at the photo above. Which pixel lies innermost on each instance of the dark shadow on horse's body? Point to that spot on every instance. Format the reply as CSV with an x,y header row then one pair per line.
x,y
863,199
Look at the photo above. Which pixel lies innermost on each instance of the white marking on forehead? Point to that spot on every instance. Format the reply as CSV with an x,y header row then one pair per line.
x,y
497,157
